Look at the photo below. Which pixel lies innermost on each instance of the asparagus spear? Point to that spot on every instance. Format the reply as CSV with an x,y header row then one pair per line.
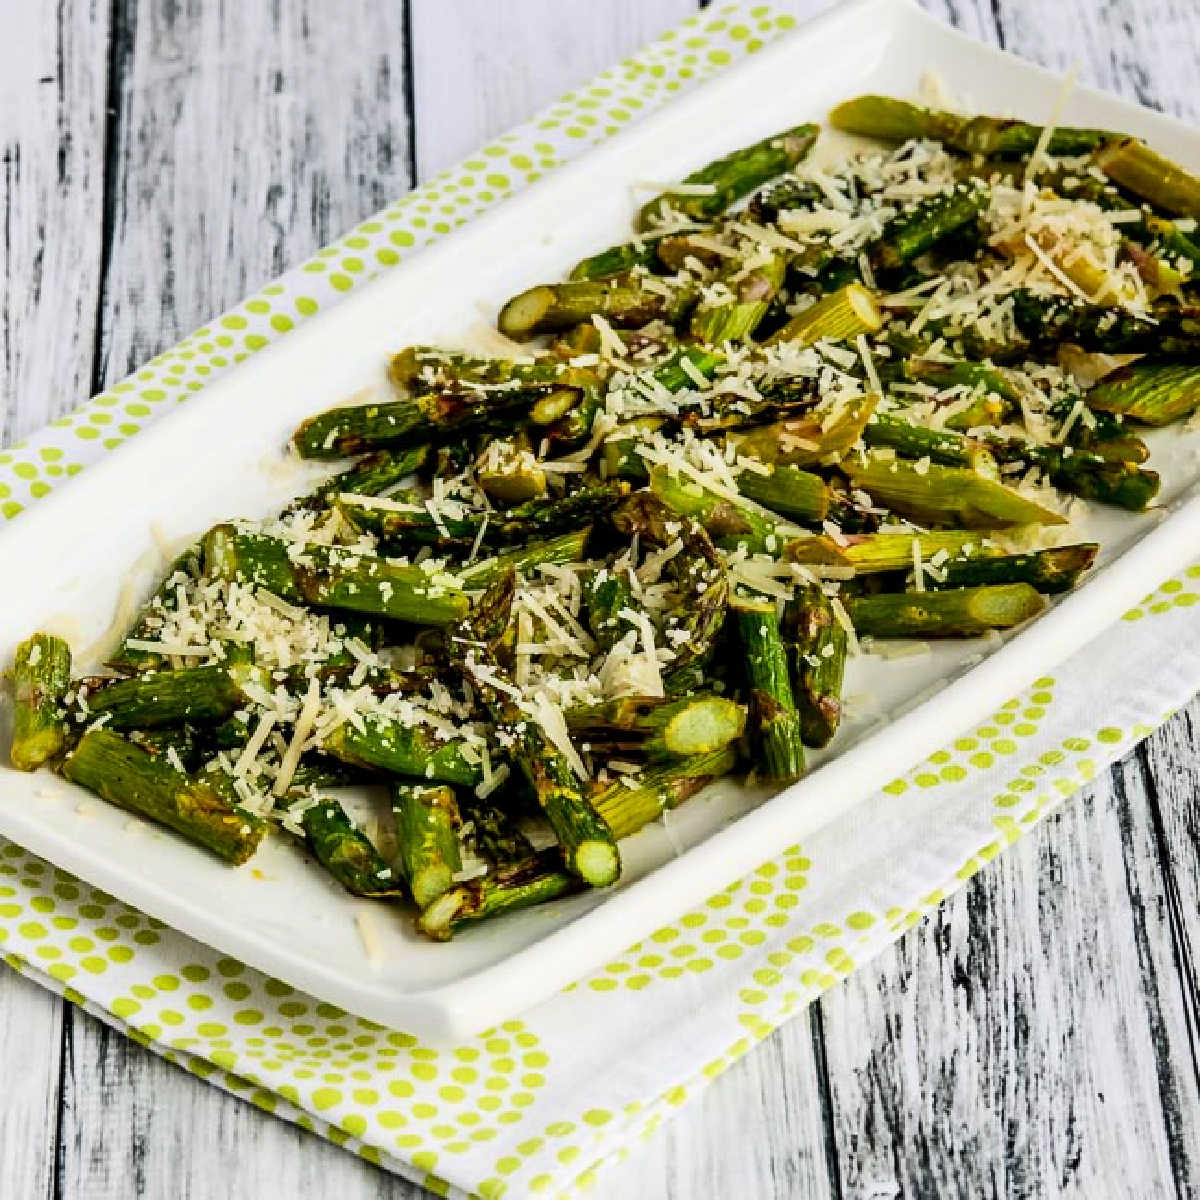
x,y
960,612
623,300
423,369
184,569
1150,392
732,177
387,743
806,441
937,495
1172,331
789,491
697,571
728,522
1130,163
132,778
607,594
1049,571
660,788
533,881
369,476
920,227
1085,474
426,829
870,554
566,548
997,395
780,752
495,833
197,695
659,728
994,137
938,445
750,294
397,424
616,260
840,316
41,675
588,847
347,853
332,577
181,740
784,195
816,646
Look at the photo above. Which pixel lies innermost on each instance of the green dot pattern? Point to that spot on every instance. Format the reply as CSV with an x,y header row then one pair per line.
x,y
531,1107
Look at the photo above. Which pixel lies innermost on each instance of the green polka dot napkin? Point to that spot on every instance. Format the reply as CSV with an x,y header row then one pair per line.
x,y
531,1107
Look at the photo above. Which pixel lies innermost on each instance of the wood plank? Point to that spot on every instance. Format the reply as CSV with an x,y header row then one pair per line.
x,y
137,1126
1171,758
479,69
244,137
1030,1038
757,1131
52,88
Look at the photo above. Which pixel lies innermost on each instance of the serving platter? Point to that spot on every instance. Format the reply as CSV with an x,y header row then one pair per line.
x,y
79,561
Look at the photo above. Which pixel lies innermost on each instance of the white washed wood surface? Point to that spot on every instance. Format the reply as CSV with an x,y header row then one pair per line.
x,y
1038,1037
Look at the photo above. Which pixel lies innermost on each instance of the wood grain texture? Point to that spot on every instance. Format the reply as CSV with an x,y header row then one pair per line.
x,y
1027,1040
53,70
1037,1037
479,69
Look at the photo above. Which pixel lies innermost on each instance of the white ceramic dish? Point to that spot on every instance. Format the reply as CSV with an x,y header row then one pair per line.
x,y
64,564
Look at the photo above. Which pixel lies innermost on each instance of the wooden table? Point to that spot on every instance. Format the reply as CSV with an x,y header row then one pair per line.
x,y
1039,1036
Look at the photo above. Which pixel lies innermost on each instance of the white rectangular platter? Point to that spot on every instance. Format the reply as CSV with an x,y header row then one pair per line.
x,y
66,565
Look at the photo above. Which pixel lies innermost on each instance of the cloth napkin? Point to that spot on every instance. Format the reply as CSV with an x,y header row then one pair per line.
x,y
531,1107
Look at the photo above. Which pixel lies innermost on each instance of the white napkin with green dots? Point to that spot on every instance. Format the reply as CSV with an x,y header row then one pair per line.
x,y
531,1107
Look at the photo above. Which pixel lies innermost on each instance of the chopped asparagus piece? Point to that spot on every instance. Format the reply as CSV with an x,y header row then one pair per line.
x,y
389,744
1049,571
1150,392
426,830
185,568
750,294
994,137
41,675
780,752
331,577
534,881
659,789
805,441
566,548
728,522
816,645
495,832
197,695
369,476
732,177
397,424
789,491
926,223
132,778
938,445
622,300
937,495
659,728
347,853
588,847
872,553
616,260
1130,163
607,594
839,317
961,612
